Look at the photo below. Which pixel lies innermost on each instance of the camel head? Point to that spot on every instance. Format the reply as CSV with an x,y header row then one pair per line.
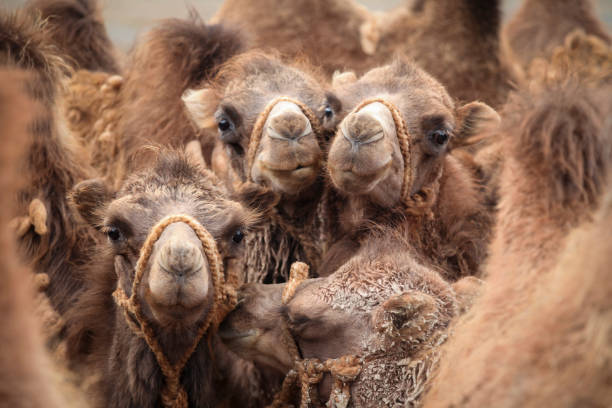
x,y
271,119
387,104
177,285
381,304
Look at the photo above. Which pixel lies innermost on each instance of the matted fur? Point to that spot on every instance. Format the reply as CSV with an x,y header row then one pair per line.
x,y
540,318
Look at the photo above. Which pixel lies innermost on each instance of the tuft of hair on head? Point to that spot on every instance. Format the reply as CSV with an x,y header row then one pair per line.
x,y
256,197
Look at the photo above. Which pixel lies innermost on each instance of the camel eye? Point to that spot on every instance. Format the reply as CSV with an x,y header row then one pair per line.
x,y
114,234
238,236
328,112
224,124
439,137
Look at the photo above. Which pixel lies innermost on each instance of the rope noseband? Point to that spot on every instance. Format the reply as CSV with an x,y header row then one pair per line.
x,y
309,372
257,131
173,394
420,202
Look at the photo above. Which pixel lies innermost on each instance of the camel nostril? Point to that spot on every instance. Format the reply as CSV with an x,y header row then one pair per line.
x,y
180,258
362,128
287,122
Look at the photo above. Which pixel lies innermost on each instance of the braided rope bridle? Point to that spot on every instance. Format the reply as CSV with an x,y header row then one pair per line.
x,y
173,394
309,372
422,201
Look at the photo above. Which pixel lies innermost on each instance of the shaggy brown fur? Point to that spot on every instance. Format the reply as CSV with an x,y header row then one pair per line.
x,y
171,58
546,308
76,28
585,58
26,379
451,229
289,166
99,338
456,41
541,25
50,168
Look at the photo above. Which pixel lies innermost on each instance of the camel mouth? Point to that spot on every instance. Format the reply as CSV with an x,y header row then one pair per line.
x,y
229,334
290,180
287,169
359,182
178,312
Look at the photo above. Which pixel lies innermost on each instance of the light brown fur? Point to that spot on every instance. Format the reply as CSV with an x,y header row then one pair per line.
x,y
26,377
51,167
543,311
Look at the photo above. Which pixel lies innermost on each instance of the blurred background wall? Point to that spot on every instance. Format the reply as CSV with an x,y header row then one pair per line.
x,y
126,18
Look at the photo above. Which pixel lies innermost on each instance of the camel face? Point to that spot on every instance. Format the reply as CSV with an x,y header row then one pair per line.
x,y
365,156
270,118
382,304
177,282
254,329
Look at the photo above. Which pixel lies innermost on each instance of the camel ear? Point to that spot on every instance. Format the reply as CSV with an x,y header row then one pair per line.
x,y
89,197
467,290
475,118
256,197
369,34
343,78
193,150
201,105
409,316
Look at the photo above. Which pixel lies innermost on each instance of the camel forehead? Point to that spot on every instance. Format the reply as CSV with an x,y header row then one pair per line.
x,y
401,83
250,90
363,283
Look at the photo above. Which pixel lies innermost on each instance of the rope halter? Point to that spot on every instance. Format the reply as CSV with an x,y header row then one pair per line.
x,y
173,394
257,132
420,202
310,372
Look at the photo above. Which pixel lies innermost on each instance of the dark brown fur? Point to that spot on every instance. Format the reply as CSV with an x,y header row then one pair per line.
x,y
76,28
171,58
50,168
541,25
536,321
457,42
